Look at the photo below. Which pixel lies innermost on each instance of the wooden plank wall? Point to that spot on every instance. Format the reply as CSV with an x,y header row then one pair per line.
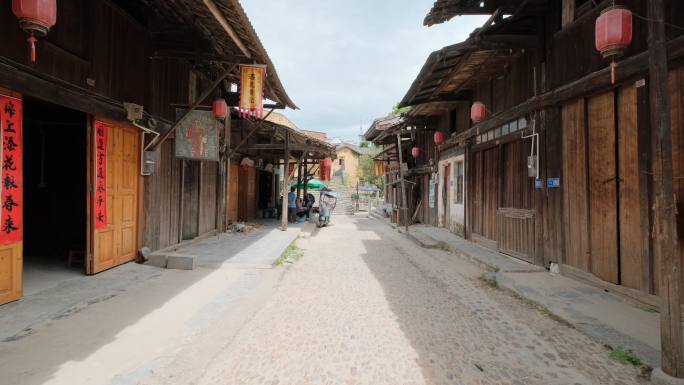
x,y
93,39
676,82
162,201
207,203
190,204
233,192
485,194
603,232
575,213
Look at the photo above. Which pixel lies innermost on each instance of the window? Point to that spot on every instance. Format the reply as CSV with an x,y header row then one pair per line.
x,y
458,178
341,161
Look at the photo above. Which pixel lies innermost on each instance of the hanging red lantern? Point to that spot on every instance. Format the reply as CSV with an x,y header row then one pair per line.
x,y
415,152
220,108
387,168
613,34
439,137
36,17
478,112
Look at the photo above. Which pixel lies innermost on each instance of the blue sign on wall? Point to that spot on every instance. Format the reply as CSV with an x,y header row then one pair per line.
x,y
553,183
538,183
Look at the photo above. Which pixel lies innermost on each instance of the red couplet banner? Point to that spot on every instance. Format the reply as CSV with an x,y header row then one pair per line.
x,y
12,221
100,203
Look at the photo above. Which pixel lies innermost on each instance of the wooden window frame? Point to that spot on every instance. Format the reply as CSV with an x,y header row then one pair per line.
x,y
459,176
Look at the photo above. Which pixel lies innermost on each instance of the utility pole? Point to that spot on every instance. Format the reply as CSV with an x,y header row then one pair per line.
x,y
664,234
404,200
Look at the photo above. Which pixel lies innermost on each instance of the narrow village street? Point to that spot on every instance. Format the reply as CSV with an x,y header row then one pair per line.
x,y
367,306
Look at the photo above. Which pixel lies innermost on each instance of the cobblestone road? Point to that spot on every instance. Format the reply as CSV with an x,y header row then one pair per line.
x,y
365,306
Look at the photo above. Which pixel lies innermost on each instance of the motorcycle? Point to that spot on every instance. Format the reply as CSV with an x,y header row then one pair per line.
x,y
327,202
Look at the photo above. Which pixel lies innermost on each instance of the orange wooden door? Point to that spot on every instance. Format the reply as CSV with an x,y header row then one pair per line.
x,y
116,243
11,223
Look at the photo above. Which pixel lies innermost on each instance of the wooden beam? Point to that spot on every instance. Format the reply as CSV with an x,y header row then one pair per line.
x,y
218,15
255,128
161,138
286,184
595,82
404,198
568,12
664,222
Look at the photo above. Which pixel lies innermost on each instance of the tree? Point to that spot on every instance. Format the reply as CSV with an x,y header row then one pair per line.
x,y
398,111
367,172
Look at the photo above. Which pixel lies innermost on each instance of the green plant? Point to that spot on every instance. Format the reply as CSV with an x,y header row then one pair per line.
x,y
489,280
291,255
625,356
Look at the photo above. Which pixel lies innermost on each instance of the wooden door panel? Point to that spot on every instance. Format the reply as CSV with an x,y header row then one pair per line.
x,y
11,259
575,203
603,187
631,240
117,243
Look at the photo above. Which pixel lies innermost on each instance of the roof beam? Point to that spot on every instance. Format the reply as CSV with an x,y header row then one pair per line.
x,y
216,12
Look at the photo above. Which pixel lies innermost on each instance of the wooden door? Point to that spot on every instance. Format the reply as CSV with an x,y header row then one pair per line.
x,y
486,192
603,233
116,242
11,221
515,219
233,192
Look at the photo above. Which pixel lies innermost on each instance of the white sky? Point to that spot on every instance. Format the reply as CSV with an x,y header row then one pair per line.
x,y
347,62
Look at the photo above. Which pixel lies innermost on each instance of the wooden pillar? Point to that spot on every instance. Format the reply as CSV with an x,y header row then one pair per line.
x,y
286,182
306,176
299,177
664,234
225,163
568,12
404,199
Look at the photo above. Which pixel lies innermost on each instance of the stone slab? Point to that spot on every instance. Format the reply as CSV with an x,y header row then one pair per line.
x,y
181,261
157,259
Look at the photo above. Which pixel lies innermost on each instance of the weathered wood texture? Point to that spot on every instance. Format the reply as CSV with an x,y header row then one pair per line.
x,y
602,187
247,194
485,194
190,198
633,254
208,198
575,200
233,187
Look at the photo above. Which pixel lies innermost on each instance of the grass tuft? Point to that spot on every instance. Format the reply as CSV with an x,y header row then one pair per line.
x,y
489,280
625,356
291,255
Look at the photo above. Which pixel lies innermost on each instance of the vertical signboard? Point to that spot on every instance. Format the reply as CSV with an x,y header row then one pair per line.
x,y
252,79
12,193
100,203
11,196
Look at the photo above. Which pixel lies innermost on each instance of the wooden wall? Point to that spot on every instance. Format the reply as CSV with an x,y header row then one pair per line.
x,y
208,198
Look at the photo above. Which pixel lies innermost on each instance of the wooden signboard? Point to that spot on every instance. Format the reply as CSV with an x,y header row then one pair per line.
x,y
197,136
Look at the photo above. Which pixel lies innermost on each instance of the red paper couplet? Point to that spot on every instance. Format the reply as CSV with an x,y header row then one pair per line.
x,y
100,203
12,221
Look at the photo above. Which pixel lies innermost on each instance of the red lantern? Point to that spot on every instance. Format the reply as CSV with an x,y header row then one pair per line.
x,y
613,34
326,168
439,137
415,152
387,168
478,112
220,109
36,17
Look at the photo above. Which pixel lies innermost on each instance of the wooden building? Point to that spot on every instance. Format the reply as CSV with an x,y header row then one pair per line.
x,y
559,171
73,160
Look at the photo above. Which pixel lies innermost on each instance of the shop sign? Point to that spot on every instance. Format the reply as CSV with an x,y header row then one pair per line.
x,y
252,79
197,136
100,197
11,227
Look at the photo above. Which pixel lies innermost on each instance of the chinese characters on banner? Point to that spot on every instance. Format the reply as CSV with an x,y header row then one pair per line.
x,y
252,78
11,155
100,204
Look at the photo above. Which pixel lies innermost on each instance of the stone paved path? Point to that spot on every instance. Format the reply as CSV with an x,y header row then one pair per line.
x,y
365,306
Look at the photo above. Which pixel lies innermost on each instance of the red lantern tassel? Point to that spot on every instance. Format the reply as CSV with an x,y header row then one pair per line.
x,y
32,47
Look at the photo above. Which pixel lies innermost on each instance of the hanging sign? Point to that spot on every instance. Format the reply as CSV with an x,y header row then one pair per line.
x,y
197,136
11,155
100,199
252,79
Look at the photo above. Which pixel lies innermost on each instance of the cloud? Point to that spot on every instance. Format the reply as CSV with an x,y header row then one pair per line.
x,y
345,63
